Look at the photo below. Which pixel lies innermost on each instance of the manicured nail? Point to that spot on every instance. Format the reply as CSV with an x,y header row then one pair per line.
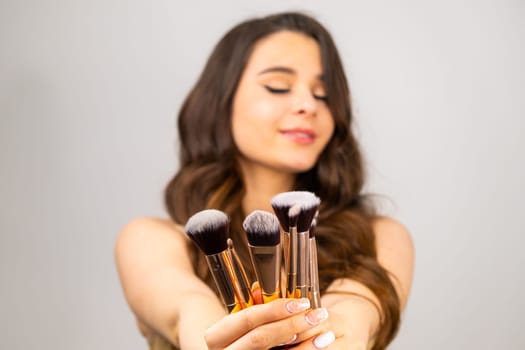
x,y
316,316
323,340
297,305
291,340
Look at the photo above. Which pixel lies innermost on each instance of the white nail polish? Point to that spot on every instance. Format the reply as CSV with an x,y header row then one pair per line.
x,y
323,340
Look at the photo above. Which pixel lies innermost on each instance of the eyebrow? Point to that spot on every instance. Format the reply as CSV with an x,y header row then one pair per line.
x,y
278,69
282,69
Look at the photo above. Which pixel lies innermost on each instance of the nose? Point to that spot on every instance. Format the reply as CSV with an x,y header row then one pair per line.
x,y
304,102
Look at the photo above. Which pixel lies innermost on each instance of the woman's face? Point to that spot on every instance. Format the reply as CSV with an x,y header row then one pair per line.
x,y
280,120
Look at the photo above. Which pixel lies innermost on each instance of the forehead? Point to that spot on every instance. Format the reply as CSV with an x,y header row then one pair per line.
x,y
288,49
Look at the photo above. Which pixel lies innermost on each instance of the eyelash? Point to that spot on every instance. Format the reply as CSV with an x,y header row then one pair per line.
x,y
276,91
284,91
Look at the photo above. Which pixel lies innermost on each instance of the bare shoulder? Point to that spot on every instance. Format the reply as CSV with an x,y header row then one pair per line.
x,y
149,224
146,228
144,242
395,252
391,233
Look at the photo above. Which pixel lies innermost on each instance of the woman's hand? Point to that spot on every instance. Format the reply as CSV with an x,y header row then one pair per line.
x,y
354,319
352,332
282,321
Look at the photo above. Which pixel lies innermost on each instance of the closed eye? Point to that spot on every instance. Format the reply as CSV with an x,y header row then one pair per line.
x,y
276,90
321,98
284,91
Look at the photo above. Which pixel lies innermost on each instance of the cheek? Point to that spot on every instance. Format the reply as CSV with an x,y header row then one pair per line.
x,y
327,126
253,120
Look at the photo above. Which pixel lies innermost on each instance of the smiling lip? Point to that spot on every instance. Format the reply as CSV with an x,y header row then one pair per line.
x,y
302,136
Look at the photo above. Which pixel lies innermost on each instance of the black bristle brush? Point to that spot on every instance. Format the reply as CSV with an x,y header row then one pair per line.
x,y
264,238
308,209
209,229
296,253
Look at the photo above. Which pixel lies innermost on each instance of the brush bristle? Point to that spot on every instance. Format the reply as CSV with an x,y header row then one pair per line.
x,y
308,209
308,202
312,228
293,214
209,230
262,229
282,202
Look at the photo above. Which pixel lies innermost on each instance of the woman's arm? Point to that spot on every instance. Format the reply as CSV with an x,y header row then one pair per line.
x,y
160,285
355,313
395,252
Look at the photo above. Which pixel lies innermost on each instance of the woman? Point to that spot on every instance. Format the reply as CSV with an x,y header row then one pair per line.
x,y
270,113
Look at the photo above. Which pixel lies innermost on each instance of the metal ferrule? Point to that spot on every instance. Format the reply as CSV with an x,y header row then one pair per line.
x,y
267,265
221,269
303,267
291,282
286,257
315,295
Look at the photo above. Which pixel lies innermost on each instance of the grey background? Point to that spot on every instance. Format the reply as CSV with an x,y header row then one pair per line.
x,y
88,96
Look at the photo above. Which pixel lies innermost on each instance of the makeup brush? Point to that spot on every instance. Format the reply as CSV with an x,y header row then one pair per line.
x,y
308,209
315,294
264,242
281,204
209,229
296,253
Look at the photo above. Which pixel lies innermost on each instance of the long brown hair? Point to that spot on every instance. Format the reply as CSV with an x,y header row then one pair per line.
x,y
208,176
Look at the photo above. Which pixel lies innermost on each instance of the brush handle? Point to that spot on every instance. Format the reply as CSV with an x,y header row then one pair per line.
x,y
302,263
241,280
291,282
286,257
315,294
221,270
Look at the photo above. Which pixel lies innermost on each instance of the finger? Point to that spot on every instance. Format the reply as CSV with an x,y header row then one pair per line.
x,y
321,325
280,332
332,342
234,326
322,341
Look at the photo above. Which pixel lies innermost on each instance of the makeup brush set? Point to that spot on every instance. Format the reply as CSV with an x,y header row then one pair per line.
x,y
289,232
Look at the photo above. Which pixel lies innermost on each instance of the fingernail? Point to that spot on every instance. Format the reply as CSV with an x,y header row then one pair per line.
x,y
323,340
316,316
297,305
291,340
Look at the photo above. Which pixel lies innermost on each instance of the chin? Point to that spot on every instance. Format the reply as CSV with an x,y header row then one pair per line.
x,y
300,167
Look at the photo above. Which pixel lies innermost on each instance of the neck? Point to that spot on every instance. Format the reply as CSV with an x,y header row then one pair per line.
x,y
261,185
